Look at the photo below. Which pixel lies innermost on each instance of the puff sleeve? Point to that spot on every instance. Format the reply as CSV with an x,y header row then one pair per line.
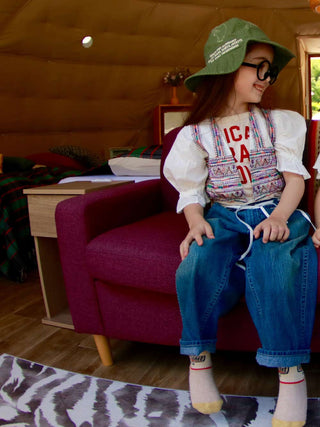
x,y
186,169
317,167
290,139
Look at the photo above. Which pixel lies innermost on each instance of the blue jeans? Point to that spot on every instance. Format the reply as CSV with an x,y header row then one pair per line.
x,y
279,283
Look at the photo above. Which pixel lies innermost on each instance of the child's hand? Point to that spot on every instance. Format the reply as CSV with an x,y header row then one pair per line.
x,y
202,228
316,238
273,229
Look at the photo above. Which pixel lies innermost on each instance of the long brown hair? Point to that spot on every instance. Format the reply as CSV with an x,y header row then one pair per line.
x,y
210,98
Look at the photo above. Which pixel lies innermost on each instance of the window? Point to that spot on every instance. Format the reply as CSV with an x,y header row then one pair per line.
x,y
309,66
314,78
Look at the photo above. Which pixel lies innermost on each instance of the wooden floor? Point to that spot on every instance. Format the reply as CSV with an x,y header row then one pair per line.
x,y
23,335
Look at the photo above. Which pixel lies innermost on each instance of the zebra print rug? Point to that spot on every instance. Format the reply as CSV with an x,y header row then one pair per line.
x,y
36,395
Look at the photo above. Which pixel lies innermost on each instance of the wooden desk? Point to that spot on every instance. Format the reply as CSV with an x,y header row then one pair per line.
x,y
42,202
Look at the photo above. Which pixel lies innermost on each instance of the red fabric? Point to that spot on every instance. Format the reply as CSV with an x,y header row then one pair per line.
x,y
143,316
55,160
79,220
143,255
119,252
309,158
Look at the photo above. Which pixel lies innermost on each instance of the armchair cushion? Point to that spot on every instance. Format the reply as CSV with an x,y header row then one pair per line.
x,y
135,315
144,254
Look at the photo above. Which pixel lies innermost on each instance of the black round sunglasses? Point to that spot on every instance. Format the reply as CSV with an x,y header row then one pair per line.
x,y
264,70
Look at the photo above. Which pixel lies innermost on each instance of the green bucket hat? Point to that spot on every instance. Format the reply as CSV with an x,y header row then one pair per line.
x,y
226,48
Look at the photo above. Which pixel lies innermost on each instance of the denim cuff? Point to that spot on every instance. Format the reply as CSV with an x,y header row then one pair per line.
x,y
278,359
194,348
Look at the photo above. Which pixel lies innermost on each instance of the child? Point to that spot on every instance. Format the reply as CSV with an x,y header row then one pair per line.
x,y
240,177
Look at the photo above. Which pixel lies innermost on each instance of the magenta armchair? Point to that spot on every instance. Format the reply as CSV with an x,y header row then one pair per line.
x,y
119,251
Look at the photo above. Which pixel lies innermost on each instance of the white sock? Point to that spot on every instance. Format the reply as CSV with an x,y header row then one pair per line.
x,y
291,409
203,391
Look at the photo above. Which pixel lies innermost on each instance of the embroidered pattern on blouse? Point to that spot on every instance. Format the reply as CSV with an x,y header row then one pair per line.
x,y
217,138
224,183
266,180
223,180
256,131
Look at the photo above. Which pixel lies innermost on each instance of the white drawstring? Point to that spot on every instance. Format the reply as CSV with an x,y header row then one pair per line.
x,y
264,211
303,213
257,206
245,253
262,207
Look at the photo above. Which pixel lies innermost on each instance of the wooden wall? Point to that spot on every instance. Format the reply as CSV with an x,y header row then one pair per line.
x,y
55,92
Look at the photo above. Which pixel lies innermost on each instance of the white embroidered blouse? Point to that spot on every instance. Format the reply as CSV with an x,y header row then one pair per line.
x,y
186,167
317,167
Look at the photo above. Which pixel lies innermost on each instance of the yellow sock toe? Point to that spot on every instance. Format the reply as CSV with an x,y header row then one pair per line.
x,y
208,407
282,423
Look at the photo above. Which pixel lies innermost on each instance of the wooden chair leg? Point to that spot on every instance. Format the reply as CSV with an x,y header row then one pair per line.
x,y
104,349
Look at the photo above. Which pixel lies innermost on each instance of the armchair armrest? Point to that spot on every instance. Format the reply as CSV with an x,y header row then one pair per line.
x,y
106,209
80,219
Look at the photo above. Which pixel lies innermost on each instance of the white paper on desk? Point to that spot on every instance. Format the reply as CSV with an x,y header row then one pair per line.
x,y
107,178
92,178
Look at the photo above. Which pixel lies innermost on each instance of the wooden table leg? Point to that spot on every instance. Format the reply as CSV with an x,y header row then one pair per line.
x,y
104,349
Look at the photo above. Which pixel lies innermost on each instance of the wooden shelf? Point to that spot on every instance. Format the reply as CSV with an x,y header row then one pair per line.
x,y
61,320
166,117
42,203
